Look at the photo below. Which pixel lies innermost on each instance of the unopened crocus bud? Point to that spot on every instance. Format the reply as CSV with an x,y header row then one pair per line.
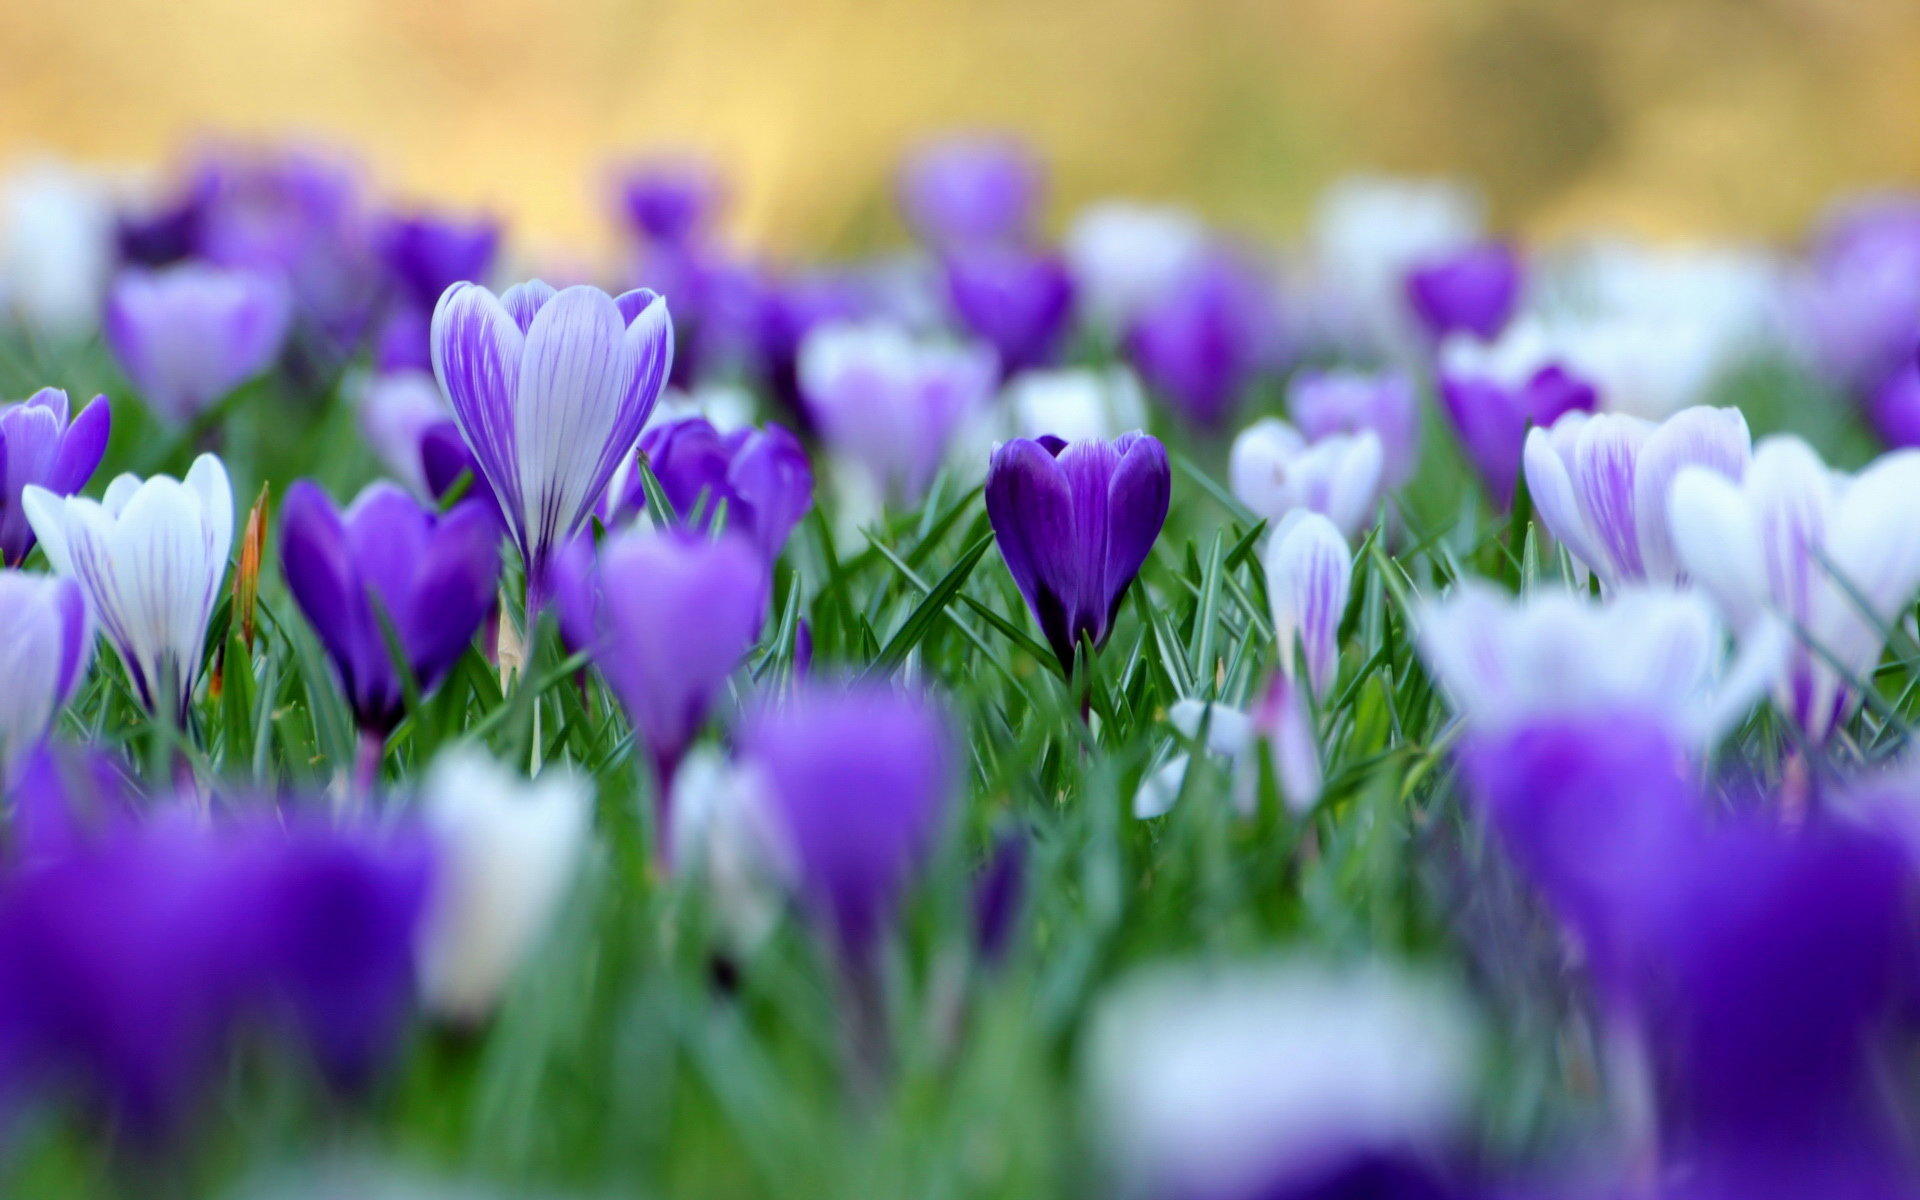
x,y
186,336
1309,573
1492,394
1276,472
1203,339
1472,291
150,556
760,478
507,851
1018,301
39,446
971,188
1074,523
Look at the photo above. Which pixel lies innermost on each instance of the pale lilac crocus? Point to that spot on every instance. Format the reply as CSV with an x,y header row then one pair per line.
x,y
1600,481
890,402
1835,557
186,336
1274,471
396,410
1384,403
40,446
1505,661
551,390
972,188
150,556
46,643
1309,573
1493,393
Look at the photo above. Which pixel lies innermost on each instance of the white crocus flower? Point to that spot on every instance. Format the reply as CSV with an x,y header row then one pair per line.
x,y
56,248
1309,577
1835,557
1274,471
150,556
1124,255
1075,404
1279,720
725,837
1239,1080
1370,231
508,850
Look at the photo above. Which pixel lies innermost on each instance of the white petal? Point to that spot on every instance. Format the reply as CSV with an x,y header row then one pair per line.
x,y
1716,540
1309,572
1159,790
1260,467
1715,438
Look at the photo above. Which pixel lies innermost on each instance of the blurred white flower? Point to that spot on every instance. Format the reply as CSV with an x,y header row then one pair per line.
x,y
1075,403
1274,472
726,838
1279,719
1369,231
1309,573
56,248
1124,255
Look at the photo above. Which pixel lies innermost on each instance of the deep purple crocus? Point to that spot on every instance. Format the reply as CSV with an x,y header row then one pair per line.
x,y
670,199
972,189
1491,415
1893,407
425,253
187,336
761,476
39,445
1074,523
1018,301
389,567
667,616
860,778
551,390
1472,291
1200,343
999,895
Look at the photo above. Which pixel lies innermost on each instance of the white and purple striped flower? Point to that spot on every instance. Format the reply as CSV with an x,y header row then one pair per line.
x,y
1835,557
150,556
1600,483
46,641
1309,575
1275,471
188,335
551,390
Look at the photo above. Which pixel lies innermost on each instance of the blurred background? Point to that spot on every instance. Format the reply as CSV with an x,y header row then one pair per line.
x,y
1655,116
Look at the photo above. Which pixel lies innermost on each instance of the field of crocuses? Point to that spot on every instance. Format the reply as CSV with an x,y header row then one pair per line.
x,y
1085,707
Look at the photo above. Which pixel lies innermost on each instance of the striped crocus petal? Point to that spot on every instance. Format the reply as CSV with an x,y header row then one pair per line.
x,y
150,557
42,645
1548,463
1604,460
1713,438
1309,573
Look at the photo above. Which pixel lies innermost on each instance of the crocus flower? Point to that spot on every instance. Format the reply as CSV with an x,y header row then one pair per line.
x,y
1278,721
1126,255
396,409
999,893
1309,573
1472,291
1273,1079
1274,471
1600,483
388,567
507,851
890,402
860,779
971,188
551,390
1018,301
1074,523
425,253
40,446
1506,661
669,199
667,616
1493,393
1855,307
1893,407
1202,340
1368,233
1324,403
728,838
186,336
1835,557
46,642
56,248
1075,403
760,476
150,556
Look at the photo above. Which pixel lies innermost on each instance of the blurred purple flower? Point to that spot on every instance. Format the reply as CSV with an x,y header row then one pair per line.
x,y
1472,291
40,446
46,644
761,475
388,567
1201,342
65,799
670,199
1493,394
972,189
551,390
1018,301
1326,403
999,895
1893,407
187,336
1075,523
667,616
1856,306
425,253
860,778
396,410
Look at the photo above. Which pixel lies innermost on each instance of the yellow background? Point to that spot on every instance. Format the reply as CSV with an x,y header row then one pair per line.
x,y
1657,115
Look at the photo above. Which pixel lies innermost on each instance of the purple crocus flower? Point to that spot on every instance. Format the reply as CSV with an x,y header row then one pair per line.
x,y
1074,523
1472,291
891,402
41,447
46,643
670,199
168,231
186,336
396,409
860,778
760,475
388,567
551,390
1893,407
425,253
998,897
1492,394
667,617
1856,307
1018,301
1328,403
1201,342
972,189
